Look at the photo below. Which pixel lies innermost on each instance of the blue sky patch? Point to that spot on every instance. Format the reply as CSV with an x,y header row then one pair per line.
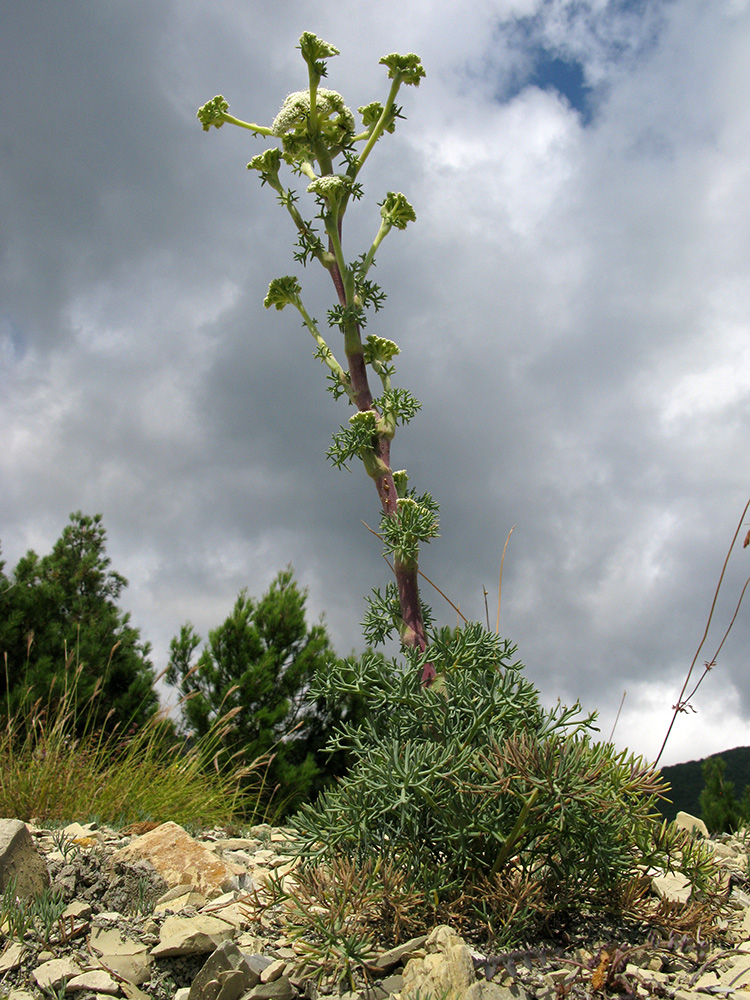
x,y
551,72
567,78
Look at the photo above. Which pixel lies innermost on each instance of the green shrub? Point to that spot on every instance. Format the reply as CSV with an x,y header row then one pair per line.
x,y
471,782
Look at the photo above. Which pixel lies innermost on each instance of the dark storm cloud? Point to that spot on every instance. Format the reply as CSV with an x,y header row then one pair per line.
x,y
572,307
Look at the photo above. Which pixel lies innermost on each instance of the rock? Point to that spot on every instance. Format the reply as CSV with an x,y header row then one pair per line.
x,y
446,970
273,971
96,981
722,850
179,898
491,991
181,935
125,956
737,976
225,976
391,984
684,821
280,989
20,860
259,963
85,836
672,886
395,956
50,975
180,859
12,956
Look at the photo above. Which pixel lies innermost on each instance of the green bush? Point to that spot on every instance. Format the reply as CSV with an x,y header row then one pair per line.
x,y
472,780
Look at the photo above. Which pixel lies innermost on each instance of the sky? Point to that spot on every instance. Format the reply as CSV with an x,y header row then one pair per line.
x,y
572,307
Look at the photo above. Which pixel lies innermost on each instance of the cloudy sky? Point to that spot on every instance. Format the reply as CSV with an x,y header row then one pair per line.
x,y
573,309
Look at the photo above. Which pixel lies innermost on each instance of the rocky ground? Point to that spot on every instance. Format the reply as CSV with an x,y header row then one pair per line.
x,y
156,913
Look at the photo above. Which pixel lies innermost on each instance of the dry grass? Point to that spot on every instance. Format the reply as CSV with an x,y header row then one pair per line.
x,y
50,772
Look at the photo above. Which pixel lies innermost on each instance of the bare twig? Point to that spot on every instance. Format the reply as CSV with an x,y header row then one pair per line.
x,y
681,705
500,584
617,717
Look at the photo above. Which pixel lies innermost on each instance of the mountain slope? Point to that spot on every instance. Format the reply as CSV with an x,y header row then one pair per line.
x,y
687,781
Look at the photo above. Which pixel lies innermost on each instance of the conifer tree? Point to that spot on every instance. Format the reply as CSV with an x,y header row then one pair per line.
x,y
60,625
720,809
260,662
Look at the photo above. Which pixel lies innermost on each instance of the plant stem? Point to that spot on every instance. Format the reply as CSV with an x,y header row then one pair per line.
x,y
407,574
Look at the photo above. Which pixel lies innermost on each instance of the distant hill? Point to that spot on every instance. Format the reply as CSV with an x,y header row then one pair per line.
x,y
687,781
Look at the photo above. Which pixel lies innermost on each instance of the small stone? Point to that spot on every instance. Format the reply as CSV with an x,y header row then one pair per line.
x,y
392,984
722,850
281,989
484,990
12,957
258,963
684,821
97,981
273,971
737,975
394,956
121,954
77,910
181,935
226,975
50,975
672,886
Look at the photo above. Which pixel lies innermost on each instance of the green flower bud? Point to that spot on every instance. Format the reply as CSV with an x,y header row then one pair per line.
x,y
408,68
364,424
397,211
267,162
379,349
332,187
401,482
314,48
213,113
282,292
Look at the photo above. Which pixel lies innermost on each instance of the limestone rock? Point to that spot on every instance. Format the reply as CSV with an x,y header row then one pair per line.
x,y
737,976
672,886
95,981
182,935
280,989
684,821
50,975
121,954
225,976
395,956
20,860
180,859
12,956
483,990
446,970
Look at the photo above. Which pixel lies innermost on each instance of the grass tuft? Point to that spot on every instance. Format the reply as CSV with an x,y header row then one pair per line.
x,y
52,773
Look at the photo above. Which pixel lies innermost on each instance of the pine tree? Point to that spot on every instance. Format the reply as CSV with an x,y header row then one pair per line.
x,y
720,809
259,662
60,625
